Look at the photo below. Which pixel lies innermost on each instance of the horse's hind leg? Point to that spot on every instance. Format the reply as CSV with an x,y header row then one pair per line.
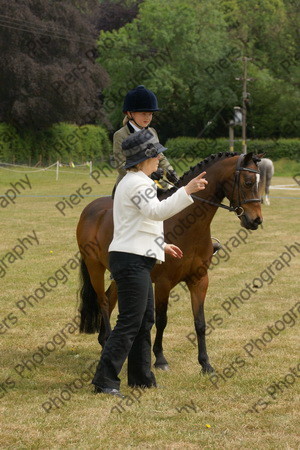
x,y
161,306
112,297
96,271
261,187
198,292
267,187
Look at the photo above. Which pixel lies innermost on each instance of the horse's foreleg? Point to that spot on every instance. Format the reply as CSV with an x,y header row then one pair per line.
x,y
161,306
198,292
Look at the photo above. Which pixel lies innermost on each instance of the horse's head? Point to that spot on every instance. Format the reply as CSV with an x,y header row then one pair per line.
x,y
242,190
229,175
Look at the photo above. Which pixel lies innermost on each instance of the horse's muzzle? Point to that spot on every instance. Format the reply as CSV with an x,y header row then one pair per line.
x,y
250,224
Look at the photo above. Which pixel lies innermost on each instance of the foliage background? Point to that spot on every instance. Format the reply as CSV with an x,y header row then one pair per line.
x,y
72,62
186,52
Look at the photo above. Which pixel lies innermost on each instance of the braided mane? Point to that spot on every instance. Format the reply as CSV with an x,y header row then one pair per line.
x,y
198,168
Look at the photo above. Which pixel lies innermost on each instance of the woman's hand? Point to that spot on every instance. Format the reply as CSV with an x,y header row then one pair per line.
x,y
196,184
173,250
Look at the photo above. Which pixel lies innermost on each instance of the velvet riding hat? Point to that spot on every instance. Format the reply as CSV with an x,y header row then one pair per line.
x,y
140,99
140,146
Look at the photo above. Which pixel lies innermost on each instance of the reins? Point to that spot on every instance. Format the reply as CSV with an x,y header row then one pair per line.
x,y
230,208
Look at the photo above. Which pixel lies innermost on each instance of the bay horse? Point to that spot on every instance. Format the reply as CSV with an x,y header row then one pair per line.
x,y
266,169
229,175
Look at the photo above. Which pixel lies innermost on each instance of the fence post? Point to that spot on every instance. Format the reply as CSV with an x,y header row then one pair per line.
x,y
57,168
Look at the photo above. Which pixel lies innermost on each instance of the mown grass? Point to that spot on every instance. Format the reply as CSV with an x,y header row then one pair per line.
x,y
286,167
214,417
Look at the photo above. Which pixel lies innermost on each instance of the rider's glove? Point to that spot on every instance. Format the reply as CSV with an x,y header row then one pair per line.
x,y
157,175
172,176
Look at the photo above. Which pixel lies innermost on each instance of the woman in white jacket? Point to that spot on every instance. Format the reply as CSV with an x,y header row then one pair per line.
x,y
136,246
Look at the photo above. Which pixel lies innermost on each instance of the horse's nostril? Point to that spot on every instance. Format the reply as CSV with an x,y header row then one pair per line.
x,y
258,220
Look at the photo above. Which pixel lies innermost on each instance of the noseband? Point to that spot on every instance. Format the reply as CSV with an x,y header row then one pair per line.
x,y
241,201
238,209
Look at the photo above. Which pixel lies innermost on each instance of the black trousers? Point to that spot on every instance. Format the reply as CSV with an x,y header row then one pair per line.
x,y
131,335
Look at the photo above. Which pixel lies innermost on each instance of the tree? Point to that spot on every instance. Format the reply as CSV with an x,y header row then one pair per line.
x,y
169,48
187,53
114,14
265,31
48,70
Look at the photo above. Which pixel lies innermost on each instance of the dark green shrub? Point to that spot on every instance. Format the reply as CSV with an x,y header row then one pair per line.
x,y
200,148
64,142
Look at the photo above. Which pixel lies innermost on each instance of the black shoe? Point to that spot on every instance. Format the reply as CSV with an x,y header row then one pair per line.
x,y
109,391
143,386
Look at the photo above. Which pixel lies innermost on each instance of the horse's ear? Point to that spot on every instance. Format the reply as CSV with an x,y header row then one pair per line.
x,y
257,158
247,159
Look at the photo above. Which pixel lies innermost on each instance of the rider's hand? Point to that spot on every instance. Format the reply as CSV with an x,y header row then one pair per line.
x,y
196,184
171,176
173,250
157,175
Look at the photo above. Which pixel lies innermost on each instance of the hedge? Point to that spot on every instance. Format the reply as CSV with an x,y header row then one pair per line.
x,y
201,148
67,142
62,142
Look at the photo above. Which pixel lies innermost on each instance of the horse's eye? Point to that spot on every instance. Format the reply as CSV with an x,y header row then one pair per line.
x,y
249,184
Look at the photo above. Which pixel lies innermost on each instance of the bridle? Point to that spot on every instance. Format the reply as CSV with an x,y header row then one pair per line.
x,y
241,201
238,209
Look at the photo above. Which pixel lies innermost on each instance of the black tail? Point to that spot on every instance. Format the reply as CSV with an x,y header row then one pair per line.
x,y
90,319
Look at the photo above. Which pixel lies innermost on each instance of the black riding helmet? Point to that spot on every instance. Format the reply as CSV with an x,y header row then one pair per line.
x,y
140,99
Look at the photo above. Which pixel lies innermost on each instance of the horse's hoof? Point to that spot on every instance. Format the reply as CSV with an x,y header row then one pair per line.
x,y
207,369
162,366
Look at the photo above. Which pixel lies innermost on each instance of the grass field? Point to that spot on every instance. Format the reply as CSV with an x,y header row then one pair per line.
x,y
46,399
